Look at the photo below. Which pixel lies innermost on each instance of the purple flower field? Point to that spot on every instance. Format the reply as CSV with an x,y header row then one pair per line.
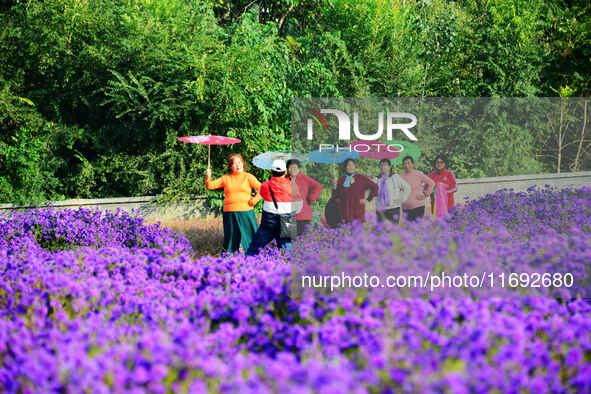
x,y
93,303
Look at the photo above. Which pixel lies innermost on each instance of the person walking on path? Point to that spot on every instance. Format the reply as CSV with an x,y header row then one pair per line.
x,y
308,188
421,186
392,192
349,191
279,199
239,220
442,176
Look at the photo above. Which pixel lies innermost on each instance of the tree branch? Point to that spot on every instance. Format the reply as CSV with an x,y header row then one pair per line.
x,y
283,18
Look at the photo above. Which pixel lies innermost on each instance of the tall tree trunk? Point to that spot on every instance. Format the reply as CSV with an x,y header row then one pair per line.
x,y
580,147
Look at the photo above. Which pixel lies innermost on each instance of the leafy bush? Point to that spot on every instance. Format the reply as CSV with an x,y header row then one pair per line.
x,y
115,84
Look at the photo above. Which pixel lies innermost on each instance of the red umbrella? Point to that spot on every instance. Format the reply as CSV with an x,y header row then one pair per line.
x,y
209,140
374,150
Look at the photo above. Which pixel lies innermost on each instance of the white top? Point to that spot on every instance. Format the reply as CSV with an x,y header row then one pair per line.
x,y
398,192
293,207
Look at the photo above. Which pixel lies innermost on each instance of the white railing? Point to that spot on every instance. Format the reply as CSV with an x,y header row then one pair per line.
x,y
471,188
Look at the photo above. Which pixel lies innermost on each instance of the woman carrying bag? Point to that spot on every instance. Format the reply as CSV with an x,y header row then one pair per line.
x,y
279,210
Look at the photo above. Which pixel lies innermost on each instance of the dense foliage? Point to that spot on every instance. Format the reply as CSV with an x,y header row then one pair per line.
x,y
133,310
94,94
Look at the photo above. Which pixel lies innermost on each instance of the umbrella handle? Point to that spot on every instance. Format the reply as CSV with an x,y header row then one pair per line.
x,y
208,156
333,168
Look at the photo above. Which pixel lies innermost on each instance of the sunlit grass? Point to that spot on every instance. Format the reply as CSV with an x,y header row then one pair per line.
x,y
206,235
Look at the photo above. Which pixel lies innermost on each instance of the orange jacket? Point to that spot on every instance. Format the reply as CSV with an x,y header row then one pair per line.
x,y
237,189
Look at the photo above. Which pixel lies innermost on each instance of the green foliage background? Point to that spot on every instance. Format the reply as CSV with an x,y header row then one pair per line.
x,y
93,95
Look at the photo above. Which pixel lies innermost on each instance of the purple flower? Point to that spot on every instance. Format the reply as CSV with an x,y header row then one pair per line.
x,y
574,356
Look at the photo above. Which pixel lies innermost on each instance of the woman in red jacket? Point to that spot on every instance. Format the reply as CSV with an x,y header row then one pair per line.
x,y
350,193
446,177
308,189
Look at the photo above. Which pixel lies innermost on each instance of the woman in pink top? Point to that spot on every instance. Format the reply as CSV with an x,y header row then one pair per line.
x,y
421,186
308,188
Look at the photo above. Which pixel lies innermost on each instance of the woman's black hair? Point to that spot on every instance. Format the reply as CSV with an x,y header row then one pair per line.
x,y
442,157
387,162
409,158
347,162
293,161
276,174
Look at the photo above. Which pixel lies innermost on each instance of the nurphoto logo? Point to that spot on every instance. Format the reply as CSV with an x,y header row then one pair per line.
x,y
345,125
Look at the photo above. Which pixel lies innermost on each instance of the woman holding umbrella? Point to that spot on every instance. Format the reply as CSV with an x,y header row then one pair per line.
x,y
350,193
240,223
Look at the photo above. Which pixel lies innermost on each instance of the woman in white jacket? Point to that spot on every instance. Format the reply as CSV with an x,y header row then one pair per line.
x,y
393,191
